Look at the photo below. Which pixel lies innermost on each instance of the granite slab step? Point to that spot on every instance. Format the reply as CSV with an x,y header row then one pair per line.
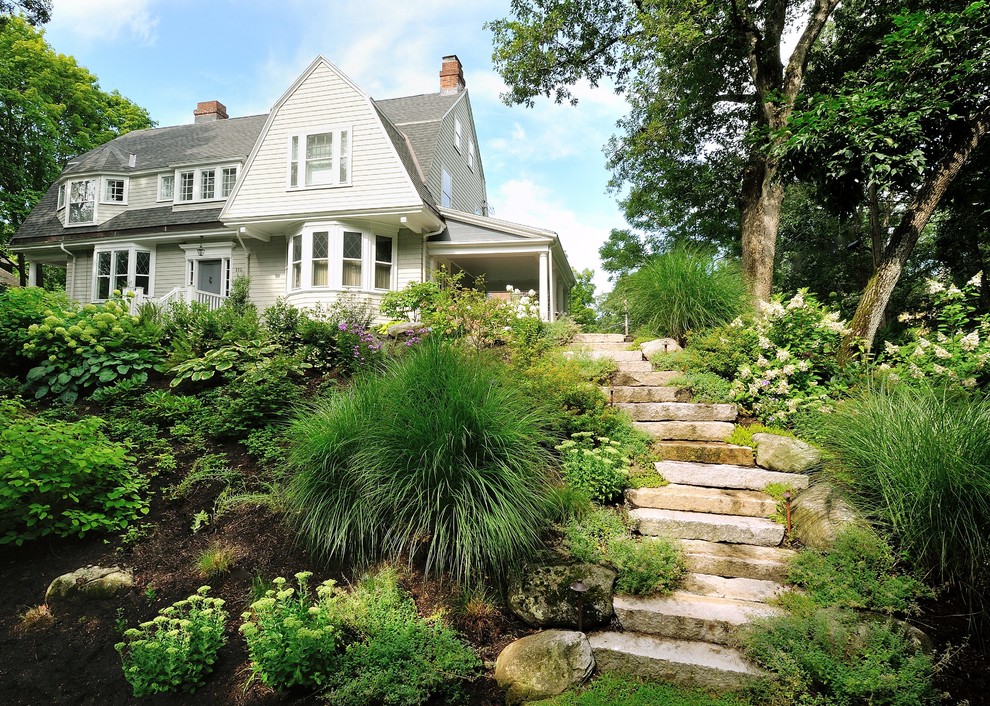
x,y
621,357
733,588
598,338
619,346
687,431
706,452
627,395
707,526
718,475
634,366
687,616
737,560
696,665
679,411
692,498
648,377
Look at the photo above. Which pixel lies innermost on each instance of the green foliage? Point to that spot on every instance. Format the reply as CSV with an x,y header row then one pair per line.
x,y
582,300
176,650
743,435
293,637
268,445
20,307
611,689
705,387
589,535
829,656
442,455
860,571
917,461
653,566
571,394
81,348
193,329
206,469
216,560
63,478
411,300
230,359
682,290
594,466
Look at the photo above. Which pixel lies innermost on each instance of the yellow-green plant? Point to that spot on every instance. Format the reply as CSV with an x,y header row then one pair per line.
x,y
594,465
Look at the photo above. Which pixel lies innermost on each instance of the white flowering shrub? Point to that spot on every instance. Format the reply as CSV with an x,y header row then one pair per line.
x,y
795,358
947,342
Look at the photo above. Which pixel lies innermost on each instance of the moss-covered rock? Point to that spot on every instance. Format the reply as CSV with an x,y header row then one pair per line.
x,y
542,595
543,665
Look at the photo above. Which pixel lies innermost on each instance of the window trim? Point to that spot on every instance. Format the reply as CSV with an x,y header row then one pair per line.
x,y
458,132
132,249
335,259
336,158
161,181
60,203
68,202
470,154
104,190
197,182
446,180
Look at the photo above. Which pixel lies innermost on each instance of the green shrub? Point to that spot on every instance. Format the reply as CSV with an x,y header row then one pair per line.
x,y
829,656
63,478
859,571
917,460
705,387
685,289
20,308
621,690
649,566
178,648
267,444
293,637
193,329
594,466
743,435
443,455
396,658
589,535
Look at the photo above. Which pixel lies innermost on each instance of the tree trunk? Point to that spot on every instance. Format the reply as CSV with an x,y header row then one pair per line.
x,y
869,312
761,198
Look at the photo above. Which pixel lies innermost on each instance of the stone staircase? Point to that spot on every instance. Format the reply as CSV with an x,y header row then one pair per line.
x,y
714,505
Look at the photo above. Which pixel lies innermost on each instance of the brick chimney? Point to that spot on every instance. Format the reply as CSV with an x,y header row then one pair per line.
x,y
210,111
451,76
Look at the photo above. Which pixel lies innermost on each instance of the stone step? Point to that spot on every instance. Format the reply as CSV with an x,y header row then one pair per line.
x,y
650,378
720,475
734,588
692,498
687,431
737,560
708,526
696,665
598,338
679,411
686,616
622,357
627,395
705,452
634,365
581,347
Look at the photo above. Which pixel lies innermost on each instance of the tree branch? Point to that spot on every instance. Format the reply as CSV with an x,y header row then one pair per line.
x,y
798,61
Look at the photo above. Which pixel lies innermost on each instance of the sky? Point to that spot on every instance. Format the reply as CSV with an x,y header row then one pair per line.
x,y
544,166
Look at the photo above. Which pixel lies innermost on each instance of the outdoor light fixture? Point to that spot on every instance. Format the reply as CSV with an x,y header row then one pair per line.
x,y
580,589
199,250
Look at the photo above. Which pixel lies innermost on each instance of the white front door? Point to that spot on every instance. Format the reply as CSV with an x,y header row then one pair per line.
x,y
210,276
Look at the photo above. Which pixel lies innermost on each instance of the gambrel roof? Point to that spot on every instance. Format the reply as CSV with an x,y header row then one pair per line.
x,y
419,117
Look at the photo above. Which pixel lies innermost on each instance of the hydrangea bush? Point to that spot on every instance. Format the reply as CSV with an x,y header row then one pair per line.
x,y
948,342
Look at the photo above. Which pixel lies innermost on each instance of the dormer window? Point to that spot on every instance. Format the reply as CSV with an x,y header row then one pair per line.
x,y
115,190
61,197
320,159
166,187
202,184
82,202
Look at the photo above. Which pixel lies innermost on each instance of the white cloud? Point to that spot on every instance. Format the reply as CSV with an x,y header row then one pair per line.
x,y
106,20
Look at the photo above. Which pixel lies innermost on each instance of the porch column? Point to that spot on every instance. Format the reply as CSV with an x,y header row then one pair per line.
x,y
544,285
552,288
34,274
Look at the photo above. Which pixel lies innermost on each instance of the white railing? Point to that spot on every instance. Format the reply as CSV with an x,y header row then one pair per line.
x,y
212,301
137,297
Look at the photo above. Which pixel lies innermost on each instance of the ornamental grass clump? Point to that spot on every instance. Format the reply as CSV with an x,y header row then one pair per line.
x,y
685,289
442,458
916,459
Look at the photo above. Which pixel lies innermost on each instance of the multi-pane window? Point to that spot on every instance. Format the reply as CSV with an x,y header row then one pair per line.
x,y
351,273
208,183
320,159
446,187
457,133
321,259
296,261
228,177
166,187
82,201
61,196
142,271
383,262
470,154
114,190
118,270
187,183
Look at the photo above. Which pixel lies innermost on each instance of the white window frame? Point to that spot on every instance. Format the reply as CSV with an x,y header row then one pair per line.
x,y
470,154
223,251
198,174
161,187
132,250
227,189
338,158
458,129
105,190
335,259
61,197
68,200
180,187
446,189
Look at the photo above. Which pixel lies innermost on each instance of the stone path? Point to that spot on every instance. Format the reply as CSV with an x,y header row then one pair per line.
x,y
715,507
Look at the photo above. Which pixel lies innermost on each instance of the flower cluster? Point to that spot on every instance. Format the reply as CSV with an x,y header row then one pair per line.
x,y
794,361
524,304
595,465
948,341
359,341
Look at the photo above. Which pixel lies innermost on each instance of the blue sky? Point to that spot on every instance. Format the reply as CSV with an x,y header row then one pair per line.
x,y
545,166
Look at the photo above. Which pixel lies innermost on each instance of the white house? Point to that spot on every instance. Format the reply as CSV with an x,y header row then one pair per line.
x,y
330,193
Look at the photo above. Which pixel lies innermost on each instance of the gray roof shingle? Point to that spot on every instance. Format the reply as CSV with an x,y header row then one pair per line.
x,y
419,118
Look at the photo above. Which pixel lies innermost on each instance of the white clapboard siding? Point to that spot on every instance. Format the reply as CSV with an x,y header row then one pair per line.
x,y
410,258
170,269
267,271
467,187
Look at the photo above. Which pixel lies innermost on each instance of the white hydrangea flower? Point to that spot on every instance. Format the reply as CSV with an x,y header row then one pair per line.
x,y
736,323
894,377
969,382
771,373
953,291
934,286
797,301
783,354
789,370
765,343
890,348
939,370
941,353
918,352
745,371
975,281
762,362
509,288
803,366
905,317
924,342
884,366
970,341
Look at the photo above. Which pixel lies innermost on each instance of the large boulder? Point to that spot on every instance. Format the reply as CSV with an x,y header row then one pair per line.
x,y
91,582
659,345
543,665
542,595
819,514
784,454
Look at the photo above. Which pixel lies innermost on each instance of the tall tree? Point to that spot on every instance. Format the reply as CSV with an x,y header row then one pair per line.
x,y
51,109
708,88
582,300
37,12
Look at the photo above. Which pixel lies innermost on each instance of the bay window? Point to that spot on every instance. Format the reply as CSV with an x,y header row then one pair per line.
x,y
383,262
320,158
335,257
351,272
